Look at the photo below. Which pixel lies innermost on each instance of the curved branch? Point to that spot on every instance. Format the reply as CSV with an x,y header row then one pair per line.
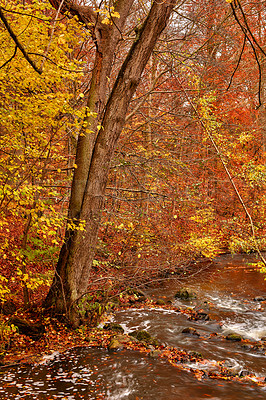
x,y
17,42
11,58
238,62
245,30
58,66
248,28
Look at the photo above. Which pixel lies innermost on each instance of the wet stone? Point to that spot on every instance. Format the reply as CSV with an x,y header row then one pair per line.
x,y
244,372
190,331
155,353
202,316
160,302
144,336
113,327
234,337
233,371
246,346
199,316
259,348
115,345
185,294
124,339
260,298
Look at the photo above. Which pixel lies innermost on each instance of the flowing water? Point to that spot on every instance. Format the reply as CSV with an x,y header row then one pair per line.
x,y
225,290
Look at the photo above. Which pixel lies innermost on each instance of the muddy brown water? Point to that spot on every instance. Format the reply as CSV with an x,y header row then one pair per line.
x,y
226,291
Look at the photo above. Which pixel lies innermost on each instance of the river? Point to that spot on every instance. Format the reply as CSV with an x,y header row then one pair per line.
x,y
226,290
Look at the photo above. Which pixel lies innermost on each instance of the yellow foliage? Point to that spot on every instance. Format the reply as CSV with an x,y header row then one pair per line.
x,y
4,290
6,332
107,14
39,114
203,216
208,246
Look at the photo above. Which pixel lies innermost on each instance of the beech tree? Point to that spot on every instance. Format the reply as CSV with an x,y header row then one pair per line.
x,y
98,137
76,75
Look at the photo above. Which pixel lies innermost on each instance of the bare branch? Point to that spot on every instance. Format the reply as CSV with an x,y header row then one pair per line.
x,y
245,29
238,62
11,58
77,71
18,44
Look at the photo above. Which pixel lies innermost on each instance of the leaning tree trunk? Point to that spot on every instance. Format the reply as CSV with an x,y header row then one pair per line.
x,y
76,256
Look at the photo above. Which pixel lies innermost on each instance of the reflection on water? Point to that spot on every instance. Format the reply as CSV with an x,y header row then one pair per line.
x,y
95,374
226,291
232,275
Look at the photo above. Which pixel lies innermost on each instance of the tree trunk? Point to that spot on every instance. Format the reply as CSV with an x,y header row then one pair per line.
x,y
76,256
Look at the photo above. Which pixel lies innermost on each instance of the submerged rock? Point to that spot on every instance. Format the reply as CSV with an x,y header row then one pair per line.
x,y
190,331
199,316
144,336
244,372
155,353
111,326
185,294
234,337
202,316
259,298
160,302
115,345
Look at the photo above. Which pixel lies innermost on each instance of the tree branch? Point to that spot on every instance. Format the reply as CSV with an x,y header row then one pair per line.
x,y
85,15
246,30
11,58
237,65
18,44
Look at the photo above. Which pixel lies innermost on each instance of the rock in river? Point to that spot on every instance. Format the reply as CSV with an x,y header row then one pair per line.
x,y
144,336
115,345
190,331
234,337
185,294
113,327
259,298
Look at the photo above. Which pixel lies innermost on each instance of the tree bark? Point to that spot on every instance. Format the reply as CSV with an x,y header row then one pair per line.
x,y
76,256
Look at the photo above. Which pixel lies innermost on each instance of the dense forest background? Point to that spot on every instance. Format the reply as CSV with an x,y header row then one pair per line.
x,y
198,114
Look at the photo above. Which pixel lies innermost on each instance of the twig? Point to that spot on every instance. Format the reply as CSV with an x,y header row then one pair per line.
x,y
52,34
11,58
238,62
